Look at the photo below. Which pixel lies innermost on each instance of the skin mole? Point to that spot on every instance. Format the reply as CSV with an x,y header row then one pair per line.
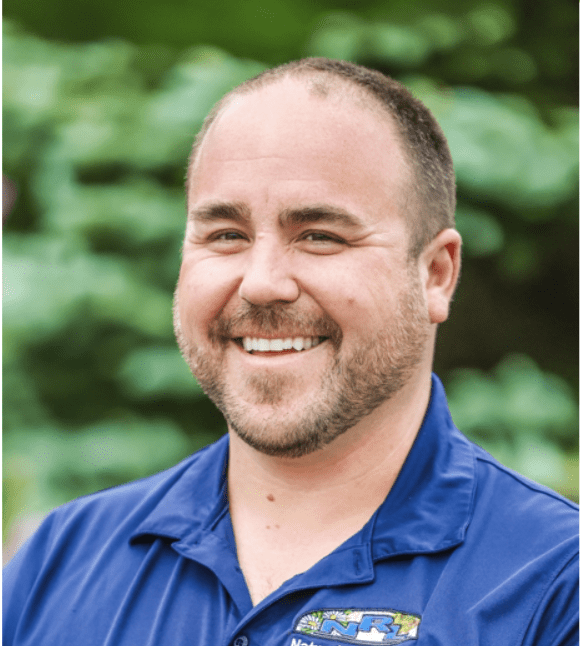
x,y
270,497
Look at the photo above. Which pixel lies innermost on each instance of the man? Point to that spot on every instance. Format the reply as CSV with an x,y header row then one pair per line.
x,y
343,507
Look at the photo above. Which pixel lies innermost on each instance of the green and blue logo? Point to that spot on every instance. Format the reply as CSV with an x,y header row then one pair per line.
x,y
359,626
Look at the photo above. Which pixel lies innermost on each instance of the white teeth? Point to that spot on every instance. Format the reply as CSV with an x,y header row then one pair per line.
x,y
254,344
298,343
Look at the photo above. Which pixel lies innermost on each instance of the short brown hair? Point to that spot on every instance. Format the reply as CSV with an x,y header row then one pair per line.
x,y
433,206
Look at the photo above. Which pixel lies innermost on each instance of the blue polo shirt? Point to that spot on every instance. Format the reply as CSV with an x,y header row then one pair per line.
x,y
463,552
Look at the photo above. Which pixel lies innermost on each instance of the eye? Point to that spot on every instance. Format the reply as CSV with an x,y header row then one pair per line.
x,y
319,237
322,238
321,242
225,235
228,235
226,241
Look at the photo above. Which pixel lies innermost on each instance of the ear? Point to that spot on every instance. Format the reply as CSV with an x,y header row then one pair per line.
x,y
441,261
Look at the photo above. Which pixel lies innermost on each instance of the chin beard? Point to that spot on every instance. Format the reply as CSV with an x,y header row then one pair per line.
x,y
352,386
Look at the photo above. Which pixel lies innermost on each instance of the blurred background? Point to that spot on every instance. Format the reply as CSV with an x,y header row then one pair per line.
x,y
102,100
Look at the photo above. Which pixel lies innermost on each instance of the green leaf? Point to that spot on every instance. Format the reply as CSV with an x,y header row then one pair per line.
x,y
482,234
158,371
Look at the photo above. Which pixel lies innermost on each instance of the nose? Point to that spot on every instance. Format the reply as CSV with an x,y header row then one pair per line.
x,y
268,276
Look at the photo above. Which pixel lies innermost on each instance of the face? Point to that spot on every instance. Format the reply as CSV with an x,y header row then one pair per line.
x,y
296,307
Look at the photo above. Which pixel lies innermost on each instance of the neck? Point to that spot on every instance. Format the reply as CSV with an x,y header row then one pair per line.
x,y
288,513
364,460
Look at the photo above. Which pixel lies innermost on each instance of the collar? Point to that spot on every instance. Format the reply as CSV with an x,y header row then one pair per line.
x,y
431,503
427,510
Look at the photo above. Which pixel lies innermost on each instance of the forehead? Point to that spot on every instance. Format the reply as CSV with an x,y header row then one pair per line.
x,y
286,134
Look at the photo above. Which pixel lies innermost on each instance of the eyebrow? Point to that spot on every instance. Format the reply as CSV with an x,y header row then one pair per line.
x,y
292,217
320,213
234,211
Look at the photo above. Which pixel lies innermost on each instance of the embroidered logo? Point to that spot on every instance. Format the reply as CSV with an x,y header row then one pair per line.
x,y
359,626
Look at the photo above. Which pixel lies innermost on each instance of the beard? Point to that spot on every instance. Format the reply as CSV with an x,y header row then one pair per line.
x,y
352,386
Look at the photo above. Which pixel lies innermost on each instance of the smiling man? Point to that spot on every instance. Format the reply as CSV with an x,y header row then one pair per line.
x,y
343,507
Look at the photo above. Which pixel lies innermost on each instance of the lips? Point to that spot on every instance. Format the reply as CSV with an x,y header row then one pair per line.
x,y
297,343
274,328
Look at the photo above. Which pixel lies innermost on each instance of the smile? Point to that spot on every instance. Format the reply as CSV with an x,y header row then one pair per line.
x,y
297,343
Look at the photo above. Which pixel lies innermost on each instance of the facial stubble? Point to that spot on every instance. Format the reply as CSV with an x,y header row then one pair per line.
x,y
351,387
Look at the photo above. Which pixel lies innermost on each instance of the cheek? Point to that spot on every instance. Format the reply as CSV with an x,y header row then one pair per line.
x,y
358,297
203,290
340,293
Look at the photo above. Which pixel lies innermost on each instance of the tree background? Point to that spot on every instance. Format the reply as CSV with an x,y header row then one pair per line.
x,y
101,104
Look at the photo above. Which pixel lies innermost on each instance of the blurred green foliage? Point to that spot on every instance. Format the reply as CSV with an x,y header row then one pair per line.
x,y
96,135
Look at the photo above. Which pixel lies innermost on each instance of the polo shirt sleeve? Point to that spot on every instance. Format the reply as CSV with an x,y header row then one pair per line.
x,y
555,623
20,578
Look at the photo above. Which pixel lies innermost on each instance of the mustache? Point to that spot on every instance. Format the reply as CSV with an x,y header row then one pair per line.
x,y
276,319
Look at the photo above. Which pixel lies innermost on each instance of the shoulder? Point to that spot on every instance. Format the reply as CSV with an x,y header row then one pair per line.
x,y
520,500
526,519
518,563
93,519
524,538
87,544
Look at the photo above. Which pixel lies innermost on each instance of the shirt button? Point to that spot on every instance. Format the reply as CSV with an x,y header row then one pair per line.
x,y
242,640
